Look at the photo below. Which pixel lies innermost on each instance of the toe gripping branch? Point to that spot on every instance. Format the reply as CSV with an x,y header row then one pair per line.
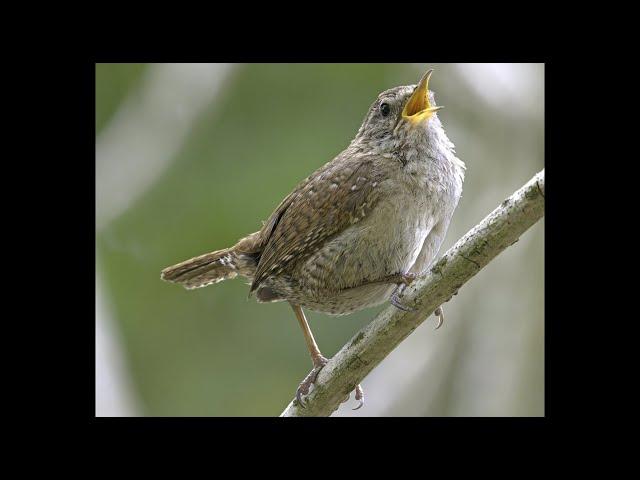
x,y
404,280
310,379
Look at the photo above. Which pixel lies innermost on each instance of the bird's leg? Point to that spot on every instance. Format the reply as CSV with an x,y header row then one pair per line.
x,y
317,358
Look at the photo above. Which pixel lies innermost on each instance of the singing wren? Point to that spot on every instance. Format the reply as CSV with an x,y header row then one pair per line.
x,y
357,230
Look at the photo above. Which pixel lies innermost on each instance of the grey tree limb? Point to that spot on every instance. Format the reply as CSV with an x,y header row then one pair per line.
x,y
500,229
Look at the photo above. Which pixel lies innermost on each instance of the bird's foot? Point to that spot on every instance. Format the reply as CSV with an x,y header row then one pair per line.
x,y
406,278
305,386
310,379
403,279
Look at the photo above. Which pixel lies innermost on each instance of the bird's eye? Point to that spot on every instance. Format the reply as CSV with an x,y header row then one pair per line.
x,y
385,109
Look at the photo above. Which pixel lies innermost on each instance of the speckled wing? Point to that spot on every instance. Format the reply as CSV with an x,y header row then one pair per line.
x,y
334,197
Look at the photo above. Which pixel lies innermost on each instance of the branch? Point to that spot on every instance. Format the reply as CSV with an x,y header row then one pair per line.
x,y
500,229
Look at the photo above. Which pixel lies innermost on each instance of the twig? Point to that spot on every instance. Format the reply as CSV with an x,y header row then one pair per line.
x,y
500,229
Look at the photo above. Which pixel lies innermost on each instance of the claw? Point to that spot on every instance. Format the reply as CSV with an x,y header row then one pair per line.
x,y
299,399
440,314
359,397
303,389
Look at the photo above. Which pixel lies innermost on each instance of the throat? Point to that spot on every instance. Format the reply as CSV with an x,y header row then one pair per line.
x,y
430,153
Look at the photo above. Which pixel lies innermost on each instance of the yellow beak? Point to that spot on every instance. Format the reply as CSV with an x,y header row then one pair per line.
x,y
418,108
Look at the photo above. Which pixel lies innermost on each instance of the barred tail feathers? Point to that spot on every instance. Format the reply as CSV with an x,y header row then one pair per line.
x,y
209,268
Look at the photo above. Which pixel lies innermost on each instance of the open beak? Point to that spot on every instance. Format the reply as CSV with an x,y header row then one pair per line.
x,y
418,108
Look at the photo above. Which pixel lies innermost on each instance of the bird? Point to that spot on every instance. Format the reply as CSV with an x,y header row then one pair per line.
x,y
358,230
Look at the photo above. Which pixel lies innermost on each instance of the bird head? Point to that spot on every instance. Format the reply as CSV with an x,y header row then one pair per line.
x,y
400,112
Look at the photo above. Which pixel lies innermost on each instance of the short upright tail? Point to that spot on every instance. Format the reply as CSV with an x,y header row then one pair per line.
x,y
210,268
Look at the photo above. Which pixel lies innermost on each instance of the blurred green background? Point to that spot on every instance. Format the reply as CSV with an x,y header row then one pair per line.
x,y
191,157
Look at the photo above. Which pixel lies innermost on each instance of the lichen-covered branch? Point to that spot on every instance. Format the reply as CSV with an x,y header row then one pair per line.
x,y
500,229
